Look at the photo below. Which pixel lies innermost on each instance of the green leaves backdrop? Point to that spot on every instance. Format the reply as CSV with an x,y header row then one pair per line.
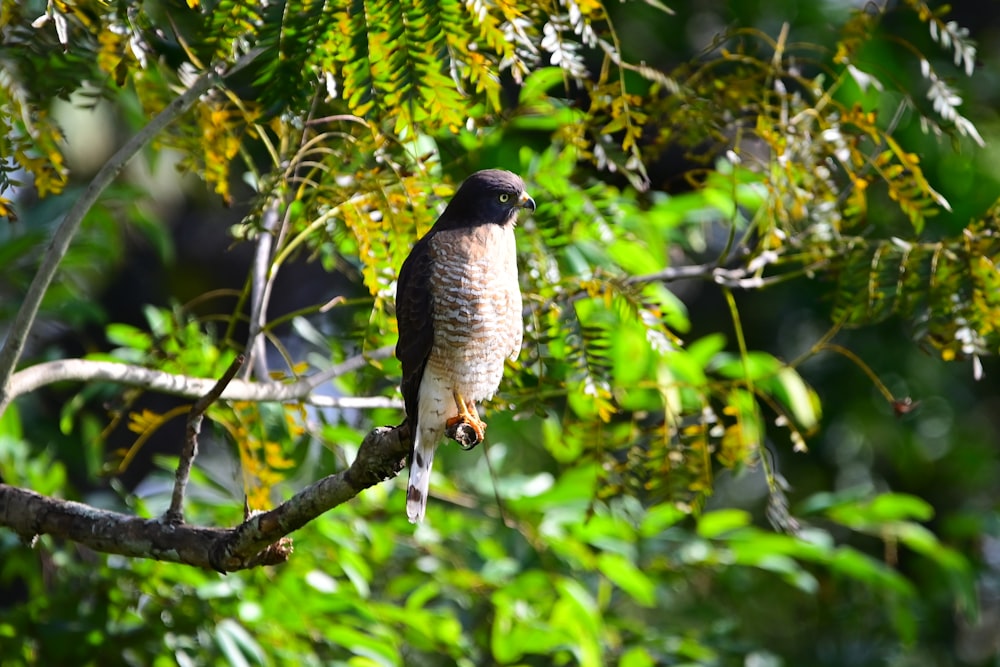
x,y
731,437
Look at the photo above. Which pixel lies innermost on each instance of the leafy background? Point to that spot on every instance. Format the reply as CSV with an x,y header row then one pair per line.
x,y
717,466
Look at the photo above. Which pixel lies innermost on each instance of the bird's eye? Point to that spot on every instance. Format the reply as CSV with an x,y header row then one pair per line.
x,y
504,197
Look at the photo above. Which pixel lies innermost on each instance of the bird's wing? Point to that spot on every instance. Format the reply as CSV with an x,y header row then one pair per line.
x,y
414,307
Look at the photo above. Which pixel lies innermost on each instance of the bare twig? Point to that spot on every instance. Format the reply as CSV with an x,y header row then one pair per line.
x,y
743,277
17,336
175,513
260,294
673,273
865,368
302,390
258,541
340,117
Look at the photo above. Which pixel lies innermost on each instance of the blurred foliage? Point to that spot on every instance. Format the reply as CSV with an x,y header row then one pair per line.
x,y
759,163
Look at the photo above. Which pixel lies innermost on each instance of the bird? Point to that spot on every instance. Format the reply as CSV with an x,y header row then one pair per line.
x,y
458,310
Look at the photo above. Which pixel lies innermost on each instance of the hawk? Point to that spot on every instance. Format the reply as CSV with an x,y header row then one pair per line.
x,y
458,306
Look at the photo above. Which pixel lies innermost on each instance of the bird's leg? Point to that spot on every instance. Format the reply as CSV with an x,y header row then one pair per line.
x,y
467,416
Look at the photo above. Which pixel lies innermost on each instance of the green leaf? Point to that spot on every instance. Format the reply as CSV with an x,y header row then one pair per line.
x,y
660,517
715,523
321,581
128,336
624,574
540,82
378,649
357,570
576,613
868,571
757,366
559,443
637,656
705,349
885,507
10,424
238,645
799,398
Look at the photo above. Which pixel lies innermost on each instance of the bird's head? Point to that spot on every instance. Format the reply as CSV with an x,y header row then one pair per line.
x,y
491,196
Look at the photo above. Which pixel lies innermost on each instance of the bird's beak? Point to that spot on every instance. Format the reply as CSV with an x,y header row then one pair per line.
x,y
526,202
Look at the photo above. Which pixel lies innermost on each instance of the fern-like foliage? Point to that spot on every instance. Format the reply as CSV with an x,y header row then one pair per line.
x,y
949,289
407,68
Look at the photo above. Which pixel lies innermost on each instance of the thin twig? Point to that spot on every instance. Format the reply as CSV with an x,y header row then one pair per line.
x,y
737,278
339,117
275,226
17,336
673,273
865,368
260,294
175,513
507,521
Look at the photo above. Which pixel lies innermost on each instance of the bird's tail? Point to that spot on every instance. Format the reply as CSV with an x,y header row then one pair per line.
x,y
420,475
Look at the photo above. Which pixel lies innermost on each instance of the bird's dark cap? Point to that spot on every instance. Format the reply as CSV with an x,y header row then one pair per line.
x,y
494,179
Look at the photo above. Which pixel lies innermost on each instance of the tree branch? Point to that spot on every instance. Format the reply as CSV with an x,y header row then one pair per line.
x,y
257,541
17,336
84,370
